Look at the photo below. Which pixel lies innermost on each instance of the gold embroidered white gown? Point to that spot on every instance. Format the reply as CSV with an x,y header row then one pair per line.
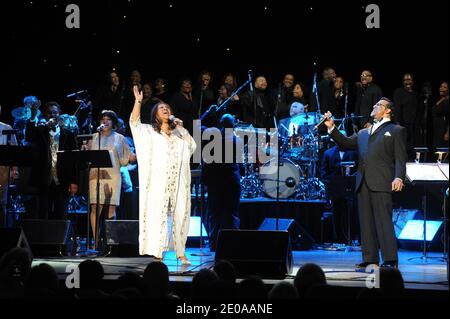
x,y
164,189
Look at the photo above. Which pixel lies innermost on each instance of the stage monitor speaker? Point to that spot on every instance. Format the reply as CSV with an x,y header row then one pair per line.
x,y
264,253
48,238
122,237
300,238
11,238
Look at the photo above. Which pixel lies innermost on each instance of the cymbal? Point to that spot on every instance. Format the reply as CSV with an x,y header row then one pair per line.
x,y
250,130
309,118
23,113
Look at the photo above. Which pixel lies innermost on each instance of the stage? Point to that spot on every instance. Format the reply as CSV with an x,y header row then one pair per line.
x,y
424,279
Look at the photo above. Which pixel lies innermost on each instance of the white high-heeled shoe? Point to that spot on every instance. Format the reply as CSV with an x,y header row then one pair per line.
x,y
184,260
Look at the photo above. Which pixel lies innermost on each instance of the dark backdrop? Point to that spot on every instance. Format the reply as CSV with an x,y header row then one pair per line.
x,y
41,56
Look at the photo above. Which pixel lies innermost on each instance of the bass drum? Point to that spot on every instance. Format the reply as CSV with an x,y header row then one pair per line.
x,y
290,175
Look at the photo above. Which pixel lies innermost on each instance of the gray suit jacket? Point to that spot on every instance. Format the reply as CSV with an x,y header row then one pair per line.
x,y
382,155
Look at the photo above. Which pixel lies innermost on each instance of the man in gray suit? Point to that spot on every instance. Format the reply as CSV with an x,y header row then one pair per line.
x,y
381,171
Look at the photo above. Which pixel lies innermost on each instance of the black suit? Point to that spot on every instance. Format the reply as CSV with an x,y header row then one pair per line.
x,y
50,193
382,158
331,162
224,190
332,174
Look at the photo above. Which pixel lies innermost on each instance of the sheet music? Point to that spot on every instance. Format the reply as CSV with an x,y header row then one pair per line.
x,y
444,169
431,172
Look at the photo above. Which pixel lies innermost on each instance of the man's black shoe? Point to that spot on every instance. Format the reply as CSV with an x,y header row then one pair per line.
x,y
390,264
362,266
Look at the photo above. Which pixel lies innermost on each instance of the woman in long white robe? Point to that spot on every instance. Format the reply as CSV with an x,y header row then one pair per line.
x,y
164,180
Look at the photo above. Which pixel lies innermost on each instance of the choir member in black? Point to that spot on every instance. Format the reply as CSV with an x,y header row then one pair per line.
x,y
282,97
339,97
110,95
134,79
203,93
423,135
440,118
49,175
148,102
185,105
230,78
161,90
407,101
257,105
233,107
298,95
325,92
333,176
223,183
367,95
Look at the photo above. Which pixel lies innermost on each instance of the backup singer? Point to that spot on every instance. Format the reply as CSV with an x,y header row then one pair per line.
x,y
163,149
110,179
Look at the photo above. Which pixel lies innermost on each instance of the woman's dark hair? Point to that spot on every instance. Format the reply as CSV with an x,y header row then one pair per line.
x,y
112,115
184,80
302,86
234,79
156,124
227,87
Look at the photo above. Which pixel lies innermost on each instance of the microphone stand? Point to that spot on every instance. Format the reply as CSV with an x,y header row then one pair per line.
x,y
316,94
277,107
200,104
345,119
97,205
226,102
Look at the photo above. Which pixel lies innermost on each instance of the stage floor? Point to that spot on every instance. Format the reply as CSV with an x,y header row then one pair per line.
x,y
338,267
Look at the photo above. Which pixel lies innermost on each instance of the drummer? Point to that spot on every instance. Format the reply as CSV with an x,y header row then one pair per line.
x,y
290,126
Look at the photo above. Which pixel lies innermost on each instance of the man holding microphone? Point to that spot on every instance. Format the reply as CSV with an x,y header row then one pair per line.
x,y
381,171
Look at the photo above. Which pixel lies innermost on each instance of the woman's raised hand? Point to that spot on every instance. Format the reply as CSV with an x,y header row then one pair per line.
x,y
137,94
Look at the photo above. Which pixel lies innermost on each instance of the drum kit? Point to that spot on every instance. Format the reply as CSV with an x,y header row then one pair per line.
x,y
291,172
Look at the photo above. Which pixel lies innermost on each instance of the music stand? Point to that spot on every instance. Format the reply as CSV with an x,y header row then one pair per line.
x,y
343,186
425,174
13,155
89,159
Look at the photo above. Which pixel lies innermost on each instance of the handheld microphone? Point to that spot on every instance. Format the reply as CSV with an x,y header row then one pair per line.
x,y
76,94
171,118
250,80
321,121
101,127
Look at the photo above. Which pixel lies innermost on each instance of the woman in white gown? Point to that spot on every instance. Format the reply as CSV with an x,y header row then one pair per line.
x,y
163,150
